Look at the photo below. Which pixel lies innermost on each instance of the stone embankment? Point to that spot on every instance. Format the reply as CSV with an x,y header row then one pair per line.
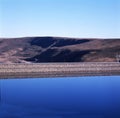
x,y
38,70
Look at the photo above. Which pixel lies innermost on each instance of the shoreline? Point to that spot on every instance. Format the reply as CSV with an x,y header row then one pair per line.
x,y
43,70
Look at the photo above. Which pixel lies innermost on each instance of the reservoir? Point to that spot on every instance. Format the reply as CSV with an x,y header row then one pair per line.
x,y
68,97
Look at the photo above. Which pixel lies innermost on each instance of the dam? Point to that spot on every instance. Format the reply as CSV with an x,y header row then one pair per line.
x,y
43,70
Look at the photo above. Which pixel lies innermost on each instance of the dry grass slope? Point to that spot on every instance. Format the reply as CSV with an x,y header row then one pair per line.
x,y
58,49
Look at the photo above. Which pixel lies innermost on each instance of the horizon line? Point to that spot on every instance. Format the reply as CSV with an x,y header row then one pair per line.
x,y
61,37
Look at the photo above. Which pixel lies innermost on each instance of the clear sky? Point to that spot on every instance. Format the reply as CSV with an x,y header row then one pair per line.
x,y
66,18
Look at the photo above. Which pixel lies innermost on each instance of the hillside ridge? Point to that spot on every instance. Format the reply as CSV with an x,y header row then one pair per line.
x,y
58,49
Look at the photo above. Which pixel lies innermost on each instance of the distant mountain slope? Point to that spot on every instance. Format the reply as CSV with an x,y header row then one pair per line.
x,y
58,49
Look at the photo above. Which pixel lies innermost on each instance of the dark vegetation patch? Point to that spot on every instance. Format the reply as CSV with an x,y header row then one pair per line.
x,y
43,42
56,42
63,42
52,55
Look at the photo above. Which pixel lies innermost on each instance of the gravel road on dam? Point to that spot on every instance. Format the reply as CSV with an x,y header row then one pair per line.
x,y
38,70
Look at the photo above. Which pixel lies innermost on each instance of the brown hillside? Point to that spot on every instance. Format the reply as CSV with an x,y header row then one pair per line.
x,y
58,49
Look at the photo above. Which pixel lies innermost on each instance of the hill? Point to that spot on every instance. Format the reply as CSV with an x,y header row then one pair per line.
x,y
58,49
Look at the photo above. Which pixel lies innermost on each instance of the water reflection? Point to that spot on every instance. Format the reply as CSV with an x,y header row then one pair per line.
x,y
81,97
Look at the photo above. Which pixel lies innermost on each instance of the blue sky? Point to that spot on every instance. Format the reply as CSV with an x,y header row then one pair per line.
x,y
66,18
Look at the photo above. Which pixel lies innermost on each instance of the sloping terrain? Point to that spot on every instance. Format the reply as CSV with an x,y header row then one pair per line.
x,y
58,49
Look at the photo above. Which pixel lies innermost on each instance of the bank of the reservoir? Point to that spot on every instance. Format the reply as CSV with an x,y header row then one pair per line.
x,y
58,70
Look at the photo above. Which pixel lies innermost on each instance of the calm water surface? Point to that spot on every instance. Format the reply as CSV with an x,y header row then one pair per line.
x,y
75,97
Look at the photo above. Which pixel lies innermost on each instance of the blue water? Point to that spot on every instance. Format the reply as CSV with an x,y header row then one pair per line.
x,y
75,97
